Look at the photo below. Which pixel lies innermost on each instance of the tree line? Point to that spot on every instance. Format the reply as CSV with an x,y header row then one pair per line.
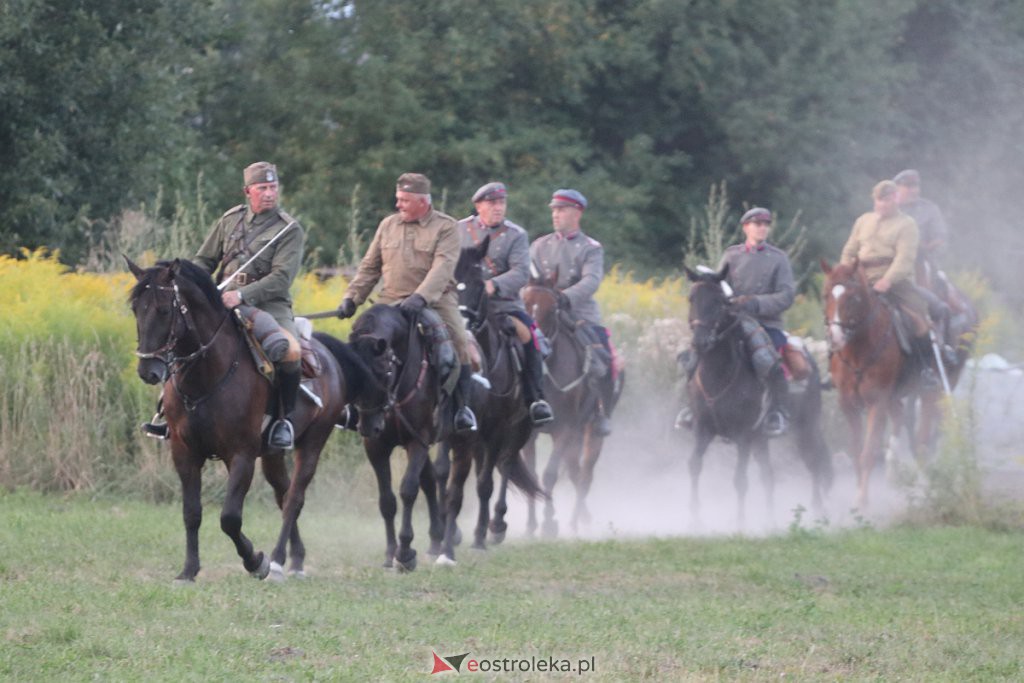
x,y
643,105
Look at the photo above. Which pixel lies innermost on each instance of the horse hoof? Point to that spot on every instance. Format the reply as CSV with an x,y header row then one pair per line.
x,y
497,537
263,570
445,561
276,573
479,545
184,581
406,566
550,529
297,574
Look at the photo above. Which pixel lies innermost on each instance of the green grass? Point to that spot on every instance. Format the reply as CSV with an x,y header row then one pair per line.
x,y
86,593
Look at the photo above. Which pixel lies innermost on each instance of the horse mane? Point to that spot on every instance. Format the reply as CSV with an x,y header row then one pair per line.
x,y
378,318
354,370
186,271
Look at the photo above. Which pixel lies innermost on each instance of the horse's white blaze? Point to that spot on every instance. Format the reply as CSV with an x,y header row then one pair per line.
x,y
835,327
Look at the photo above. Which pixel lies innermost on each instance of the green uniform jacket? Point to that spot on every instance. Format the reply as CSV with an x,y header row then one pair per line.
x,y
236,237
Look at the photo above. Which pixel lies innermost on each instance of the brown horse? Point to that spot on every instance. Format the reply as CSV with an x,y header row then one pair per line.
x,y
504,420
869,370
215,401
575,443
396,408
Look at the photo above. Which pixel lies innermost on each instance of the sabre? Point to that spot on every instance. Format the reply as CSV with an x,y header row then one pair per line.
x,y
245,265
938,362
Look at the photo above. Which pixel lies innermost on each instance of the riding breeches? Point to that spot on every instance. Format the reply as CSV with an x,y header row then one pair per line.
x,y
448,309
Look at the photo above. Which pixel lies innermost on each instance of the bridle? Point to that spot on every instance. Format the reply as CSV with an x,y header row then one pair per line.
x,y
559,315
180,312
848,327
476,314
717,332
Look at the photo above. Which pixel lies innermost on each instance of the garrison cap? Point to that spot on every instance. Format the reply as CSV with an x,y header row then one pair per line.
x,y
568,198
416,183
490,191
884,189
757,214
908,178
260,172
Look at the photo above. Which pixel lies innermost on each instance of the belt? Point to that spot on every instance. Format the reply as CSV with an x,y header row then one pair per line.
x,y
874,262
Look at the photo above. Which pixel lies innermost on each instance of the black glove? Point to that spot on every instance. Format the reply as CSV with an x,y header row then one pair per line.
x,y
346,309
414,303
746,304
563,301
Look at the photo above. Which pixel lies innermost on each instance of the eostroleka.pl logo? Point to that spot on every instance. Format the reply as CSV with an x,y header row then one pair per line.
x,y
533,664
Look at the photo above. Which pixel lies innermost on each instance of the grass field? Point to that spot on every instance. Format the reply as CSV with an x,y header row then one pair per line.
x,y
86,593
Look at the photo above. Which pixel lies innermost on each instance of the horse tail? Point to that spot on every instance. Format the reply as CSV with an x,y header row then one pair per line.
x,y
353,369
515,470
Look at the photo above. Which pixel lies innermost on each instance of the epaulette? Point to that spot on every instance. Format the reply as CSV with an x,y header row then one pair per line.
x,y
234,209
775,250
592,241
285,216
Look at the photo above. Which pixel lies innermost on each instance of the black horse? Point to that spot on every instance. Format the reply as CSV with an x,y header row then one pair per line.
x,y
216,401
502,415
726,397
397,408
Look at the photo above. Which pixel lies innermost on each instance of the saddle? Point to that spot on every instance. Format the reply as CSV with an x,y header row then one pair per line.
x,y
268,343
440,349
596,360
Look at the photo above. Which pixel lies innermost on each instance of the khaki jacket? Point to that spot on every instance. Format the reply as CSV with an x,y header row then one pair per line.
x,y
407,258
236,237
887,247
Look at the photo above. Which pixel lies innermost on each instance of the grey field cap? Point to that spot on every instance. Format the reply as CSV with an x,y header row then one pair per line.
x,y
568,198
490,191
758,213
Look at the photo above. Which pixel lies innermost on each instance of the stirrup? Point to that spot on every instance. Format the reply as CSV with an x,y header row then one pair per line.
x,y
349,418
465,420
155,430
930,378
775,423
602,426
540,412
282,434
949,355
684,418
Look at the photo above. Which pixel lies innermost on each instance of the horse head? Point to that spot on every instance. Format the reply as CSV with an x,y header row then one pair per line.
x,y
543,302
709,312
171,302
470,283
848,298
380,338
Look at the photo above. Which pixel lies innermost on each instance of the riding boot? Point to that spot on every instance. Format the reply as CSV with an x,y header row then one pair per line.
x,y
926,357
776,421
533,377
465,420
687,360
156,428
282,433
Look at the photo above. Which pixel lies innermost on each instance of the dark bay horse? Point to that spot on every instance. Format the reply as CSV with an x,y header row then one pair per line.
x,y
726,397
215,401
576,445
502,415
397,408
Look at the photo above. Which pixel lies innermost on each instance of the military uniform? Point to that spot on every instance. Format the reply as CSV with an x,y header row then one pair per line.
x,y
507,264
265,283
417,257
578,261
887,247
764,274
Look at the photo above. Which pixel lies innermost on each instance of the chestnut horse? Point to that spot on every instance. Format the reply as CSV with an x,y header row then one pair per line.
x,y
215,402
727,400
573,399
869,369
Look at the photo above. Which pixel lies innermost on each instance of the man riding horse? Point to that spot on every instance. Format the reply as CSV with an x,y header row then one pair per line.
x,y
761,279
885,243
574,263
255,250
506,269
413,254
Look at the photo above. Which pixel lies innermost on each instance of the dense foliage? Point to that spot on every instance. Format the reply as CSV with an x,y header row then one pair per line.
x,y
641,104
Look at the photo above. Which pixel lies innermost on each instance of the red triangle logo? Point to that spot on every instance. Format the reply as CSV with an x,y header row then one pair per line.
x,y
440,665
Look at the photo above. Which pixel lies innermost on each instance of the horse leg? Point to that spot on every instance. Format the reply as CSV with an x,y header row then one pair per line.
x,y
739,481
530,458
590,450
416,459
458,473
429,486
190,472
484,491
379,456
813,451
307,457
764,464
498,526
855,423
240,471
563,445
877,417
704,437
